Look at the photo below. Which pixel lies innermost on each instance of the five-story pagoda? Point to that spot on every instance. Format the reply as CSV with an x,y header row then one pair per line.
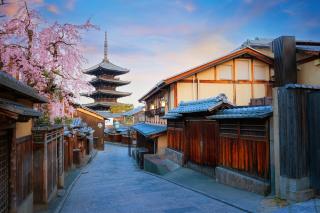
x,y
105,83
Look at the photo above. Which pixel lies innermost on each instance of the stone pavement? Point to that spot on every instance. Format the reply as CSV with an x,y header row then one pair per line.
x,y
112,183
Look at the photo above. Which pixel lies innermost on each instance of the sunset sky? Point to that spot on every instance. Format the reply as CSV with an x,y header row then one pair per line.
x,y
158,38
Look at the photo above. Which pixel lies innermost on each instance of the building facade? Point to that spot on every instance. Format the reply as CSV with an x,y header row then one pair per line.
x,y
242,75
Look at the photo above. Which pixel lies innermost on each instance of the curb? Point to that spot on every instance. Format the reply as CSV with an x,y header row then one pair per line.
x,y
200,192
116,144
61,204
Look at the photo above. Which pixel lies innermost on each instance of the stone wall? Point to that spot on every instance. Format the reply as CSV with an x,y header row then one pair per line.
x,y
240,181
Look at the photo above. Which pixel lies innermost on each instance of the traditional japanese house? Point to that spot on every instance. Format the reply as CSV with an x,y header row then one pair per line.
x,y
243,147
296,148
16,113
134,116
150,140
192,135
96,121
106,82
242,75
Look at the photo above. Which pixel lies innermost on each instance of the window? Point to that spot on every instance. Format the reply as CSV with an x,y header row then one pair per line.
x,y
260,72
224,72
243,69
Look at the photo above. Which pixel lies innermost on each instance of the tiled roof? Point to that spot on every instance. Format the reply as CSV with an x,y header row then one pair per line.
x,y
7,82
111,81
122,129
108,114
104,104
147,129
109,92
308,48
76,122
257,42
106,65
171,115
92,111
243,112
133,111
18,108
203,105
302,86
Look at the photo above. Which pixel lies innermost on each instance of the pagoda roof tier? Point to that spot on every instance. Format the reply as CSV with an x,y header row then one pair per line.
x,y
109,93
106,67
99,105
108,81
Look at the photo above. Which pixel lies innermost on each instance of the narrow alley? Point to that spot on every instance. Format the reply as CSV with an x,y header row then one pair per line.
x,y
112,183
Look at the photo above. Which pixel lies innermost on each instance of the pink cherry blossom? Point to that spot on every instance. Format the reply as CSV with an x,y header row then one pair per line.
x,y
46,56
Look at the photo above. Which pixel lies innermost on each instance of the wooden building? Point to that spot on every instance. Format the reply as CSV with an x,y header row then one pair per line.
x,y
150,140
229,143
16,113
96,121
244,146
242,75
106,82
134,116
296,98
190,133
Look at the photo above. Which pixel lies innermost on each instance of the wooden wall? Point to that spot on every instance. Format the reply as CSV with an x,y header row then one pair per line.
x,y
47,162
293,135
201,142
93,123
24,168
175,135
244,146
142,141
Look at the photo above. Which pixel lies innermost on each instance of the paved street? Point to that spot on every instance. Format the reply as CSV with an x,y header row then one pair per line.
x,y
112,183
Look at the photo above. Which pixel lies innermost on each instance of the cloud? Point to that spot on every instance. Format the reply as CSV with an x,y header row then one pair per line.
x,y
244,14
70,4
186,5
166,60
53,8
157,29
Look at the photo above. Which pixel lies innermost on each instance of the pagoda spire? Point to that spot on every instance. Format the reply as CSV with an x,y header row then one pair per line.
x,y
105,47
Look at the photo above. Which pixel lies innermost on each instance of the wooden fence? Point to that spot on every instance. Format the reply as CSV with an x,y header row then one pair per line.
x,y
244,146
24,168
69,142
175,135
47,162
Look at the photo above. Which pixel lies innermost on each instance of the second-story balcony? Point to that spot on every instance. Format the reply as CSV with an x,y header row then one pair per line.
x,y
150,112
160,111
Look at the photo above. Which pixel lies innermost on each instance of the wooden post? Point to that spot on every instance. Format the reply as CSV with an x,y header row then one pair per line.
x,y
285,67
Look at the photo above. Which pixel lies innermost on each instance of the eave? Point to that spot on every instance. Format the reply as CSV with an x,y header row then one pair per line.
x,y
238,53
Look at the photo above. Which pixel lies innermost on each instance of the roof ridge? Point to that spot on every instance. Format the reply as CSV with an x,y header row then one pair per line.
x,y
220,97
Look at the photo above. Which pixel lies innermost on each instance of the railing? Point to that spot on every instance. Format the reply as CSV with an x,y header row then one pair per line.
x,y
150,113
160,111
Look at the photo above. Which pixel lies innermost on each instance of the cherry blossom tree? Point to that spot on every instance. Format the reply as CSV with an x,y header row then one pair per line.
x,y
46,56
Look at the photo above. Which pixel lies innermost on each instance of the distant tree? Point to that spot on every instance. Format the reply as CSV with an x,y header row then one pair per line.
x,y
46,56
121,108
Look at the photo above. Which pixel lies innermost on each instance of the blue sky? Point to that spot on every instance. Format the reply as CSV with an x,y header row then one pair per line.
x,y
158,38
